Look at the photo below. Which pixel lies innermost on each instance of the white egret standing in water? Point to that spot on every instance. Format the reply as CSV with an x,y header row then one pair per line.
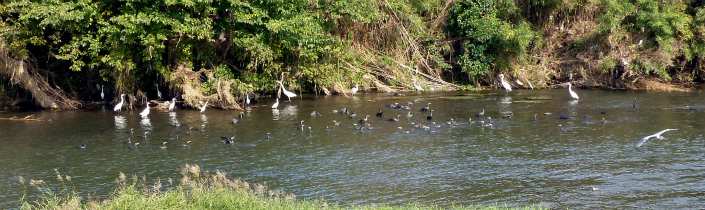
x,y
173,103
203,108
118,107
146,111
247,99
505,84
276,104
572,93
286,92
353,91
102,95
417,87
159,94
657,135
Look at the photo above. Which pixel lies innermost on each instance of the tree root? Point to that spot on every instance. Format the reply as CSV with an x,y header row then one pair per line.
x,y
27,77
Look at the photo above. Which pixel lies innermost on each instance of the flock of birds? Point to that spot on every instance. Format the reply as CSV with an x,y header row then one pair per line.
x,y
363,125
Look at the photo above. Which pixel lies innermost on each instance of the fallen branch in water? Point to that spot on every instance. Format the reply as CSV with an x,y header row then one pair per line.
x,y
27,118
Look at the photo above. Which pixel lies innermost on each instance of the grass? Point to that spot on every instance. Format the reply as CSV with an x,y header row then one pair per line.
x,y
196,190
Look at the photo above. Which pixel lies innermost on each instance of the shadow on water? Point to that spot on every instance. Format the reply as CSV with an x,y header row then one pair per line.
x,y
514,160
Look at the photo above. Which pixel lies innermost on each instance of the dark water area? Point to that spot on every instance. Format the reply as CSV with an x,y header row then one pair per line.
x,y
517,162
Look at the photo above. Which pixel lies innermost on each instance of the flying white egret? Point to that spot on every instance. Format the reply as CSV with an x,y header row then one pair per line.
x,y
118,107
353,91
159,94
203,108
276,104
572,93
657,135
504,83
146,111
247,99
102,95
173,103
417,87
286,92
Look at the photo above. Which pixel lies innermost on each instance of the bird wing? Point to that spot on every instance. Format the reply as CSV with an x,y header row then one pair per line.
x,y
644,140
663,131
506,85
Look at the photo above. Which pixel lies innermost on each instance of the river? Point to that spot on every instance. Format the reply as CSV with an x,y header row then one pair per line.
x,y
516,161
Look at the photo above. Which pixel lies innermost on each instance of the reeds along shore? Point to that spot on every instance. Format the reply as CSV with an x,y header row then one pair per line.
x,y
195,190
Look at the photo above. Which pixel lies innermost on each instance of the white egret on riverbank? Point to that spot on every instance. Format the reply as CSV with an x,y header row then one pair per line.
x,y
173,103
247,99
118,107
657,136
353,91
572,93
203,108
146,111
504,83
286,92
417,87
276,104
102,95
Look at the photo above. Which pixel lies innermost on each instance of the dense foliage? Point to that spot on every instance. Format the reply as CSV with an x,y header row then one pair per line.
x,y
492,41
332,45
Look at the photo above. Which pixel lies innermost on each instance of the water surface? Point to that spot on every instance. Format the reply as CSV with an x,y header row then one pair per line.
x,y
552,161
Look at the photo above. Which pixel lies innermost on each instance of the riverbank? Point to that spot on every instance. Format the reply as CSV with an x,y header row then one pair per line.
x,y
83,52
195,190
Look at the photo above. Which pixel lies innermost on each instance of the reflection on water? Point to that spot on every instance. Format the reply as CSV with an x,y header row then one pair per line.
x,y
506,100
146,123
120,122
290,111
204,118
275,114
172,118
501,157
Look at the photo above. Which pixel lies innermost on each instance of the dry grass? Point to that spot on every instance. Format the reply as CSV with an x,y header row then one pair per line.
x,y
390,50
189,82
195,190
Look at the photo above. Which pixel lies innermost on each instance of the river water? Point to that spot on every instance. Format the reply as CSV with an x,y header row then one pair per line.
x,y
517,162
